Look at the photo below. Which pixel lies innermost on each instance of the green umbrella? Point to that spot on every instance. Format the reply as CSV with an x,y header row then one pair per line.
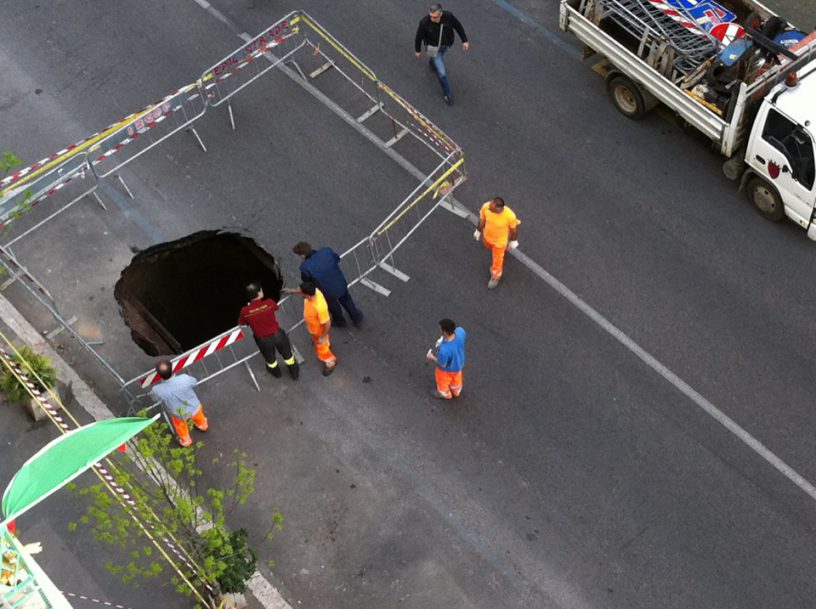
x,y
65,458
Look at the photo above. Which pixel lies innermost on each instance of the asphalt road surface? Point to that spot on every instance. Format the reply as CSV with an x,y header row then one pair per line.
x,y
631,459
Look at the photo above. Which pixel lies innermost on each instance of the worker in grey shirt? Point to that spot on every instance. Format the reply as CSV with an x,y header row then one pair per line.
x,y
181,403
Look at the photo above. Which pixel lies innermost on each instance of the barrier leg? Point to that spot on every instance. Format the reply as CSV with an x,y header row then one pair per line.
x,y
125,186
197,137
391,269
252,376
297,67
231,115
98,200
372,285
452,207
70,321
169,424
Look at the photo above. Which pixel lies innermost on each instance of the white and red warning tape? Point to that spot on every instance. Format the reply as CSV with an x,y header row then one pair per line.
x,y
10,179
199,353
21,173
54,412
93,600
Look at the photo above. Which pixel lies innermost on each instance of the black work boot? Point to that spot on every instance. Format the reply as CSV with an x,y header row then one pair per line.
x,y
274,371
294,371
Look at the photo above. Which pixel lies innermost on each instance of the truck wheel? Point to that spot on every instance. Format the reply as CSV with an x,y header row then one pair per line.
x,y
765,199
626,96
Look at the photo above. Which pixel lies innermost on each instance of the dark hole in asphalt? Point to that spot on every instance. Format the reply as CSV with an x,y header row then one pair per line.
x,y
177,295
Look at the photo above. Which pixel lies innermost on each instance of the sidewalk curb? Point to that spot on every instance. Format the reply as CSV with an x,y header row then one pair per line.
x,y
261,589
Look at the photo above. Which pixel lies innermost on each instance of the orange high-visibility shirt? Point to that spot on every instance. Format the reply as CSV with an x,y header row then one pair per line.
x,y
315,312
497,226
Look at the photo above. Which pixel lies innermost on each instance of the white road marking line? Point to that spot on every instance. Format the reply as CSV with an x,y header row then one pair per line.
x,y
722,418
611,329
653,363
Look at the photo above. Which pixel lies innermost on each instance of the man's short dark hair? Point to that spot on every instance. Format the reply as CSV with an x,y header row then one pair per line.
x,y
252,290
308,288
164,369
448,326
302,248
435,8
498,201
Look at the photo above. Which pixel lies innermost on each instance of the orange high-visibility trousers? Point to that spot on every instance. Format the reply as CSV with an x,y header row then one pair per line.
x,y
498,258
448,384
183,430
323,351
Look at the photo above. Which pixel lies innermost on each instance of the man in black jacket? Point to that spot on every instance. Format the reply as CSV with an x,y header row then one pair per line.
x,y
435,31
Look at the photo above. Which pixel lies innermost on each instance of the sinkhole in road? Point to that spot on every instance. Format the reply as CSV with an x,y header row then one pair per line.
x,y
177,295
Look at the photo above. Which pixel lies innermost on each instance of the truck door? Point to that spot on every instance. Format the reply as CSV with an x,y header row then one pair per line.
x,y
784,156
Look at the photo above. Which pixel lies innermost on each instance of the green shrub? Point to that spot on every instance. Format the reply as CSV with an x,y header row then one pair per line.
x,y
239,563
41,364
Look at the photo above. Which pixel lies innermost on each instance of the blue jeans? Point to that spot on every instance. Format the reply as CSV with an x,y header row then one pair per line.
x,y
438,63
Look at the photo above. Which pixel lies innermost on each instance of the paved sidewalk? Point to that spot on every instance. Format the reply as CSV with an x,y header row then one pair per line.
x,y
73,560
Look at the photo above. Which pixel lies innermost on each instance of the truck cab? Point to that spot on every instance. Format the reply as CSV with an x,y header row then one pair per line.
x,y
781,153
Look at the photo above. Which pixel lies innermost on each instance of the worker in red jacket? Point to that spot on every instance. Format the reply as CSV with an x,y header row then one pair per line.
x,y
259,314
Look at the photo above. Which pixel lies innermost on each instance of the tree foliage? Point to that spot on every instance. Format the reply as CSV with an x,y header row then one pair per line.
x,y
169,493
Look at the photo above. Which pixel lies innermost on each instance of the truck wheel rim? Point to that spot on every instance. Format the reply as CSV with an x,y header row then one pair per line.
x,y
625,99
764,199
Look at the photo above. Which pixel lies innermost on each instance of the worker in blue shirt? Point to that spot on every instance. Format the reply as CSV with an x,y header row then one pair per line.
x,y
449,360
321,267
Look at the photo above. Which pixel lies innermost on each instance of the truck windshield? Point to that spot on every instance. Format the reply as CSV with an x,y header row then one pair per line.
x,y
795,143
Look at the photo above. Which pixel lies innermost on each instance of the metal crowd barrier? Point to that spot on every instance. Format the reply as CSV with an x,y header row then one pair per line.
x,y
180,109
302,48
376,251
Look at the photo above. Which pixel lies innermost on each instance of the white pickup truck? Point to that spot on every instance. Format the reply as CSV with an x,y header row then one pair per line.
x,y
731,69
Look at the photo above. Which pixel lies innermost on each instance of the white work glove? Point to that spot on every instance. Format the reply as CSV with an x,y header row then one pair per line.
x,y
477,235
513,245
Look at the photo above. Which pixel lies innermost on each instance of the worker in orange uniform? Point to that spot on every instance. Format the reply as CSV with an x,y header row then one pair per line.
x,y
318,322
498,228
180,402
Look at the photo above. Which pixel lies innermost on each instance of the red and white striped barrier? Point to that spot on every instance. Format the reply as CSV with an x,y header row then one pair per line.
x,y
677,16
194,355
727,32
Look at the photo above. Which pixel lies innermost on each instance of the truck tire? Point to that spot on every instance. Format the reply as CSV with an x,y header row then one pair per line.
x,y
626,96
765,199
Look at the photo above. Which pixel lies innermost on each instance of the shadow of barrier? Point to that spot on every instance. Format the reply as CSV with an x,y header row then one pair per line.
x,y
304,51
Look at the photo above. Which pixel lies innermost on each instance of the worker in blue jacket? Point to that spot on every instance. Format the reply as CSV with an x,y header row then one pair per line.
x,y
321,267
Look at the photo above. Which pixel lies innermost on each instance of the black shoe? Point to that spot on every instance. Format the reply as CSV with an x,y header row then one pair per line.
x,y
294,371
274,371
327,371
357,322
448,99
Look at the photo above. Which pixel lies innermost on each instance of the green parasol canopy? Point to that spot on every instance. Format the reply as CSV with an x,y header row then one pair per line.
x,y
65,458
